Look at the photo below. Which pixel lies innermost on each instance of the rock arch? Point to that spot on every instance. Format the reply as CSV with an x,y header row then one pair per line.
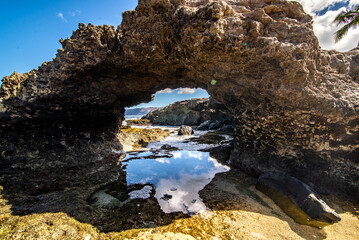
x,y
295,106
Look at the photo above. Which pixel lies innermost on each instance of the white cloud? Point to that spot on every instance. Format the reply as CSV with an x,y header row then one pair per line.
x,y
162,160
324,28
186,91
166,90
353,3
312,6
197,155
75,13
61,16
177,155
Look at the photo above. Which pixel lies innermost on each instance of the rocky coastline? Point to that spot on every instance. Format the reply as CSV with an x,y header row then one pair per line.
x,y
294,105
294,109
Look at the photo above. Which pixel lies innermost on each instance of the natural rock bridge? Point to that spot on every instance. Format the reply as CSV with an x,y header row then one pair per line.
x,y
295,106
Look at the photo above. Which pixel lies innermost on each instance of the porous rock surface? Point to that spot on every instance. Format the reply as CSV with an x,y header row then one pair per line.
x,y
295,106
191,112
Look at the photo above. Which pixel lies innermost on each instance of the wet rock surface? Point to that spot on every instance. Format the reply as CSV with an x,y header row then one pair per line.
x,y
213,137
297,199
169,147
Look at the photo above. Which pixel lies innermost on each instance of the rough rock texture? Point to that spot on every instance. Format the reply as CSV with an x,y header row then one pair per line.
x,y
190,112
297,199
134,138
185,130
295,106
137,122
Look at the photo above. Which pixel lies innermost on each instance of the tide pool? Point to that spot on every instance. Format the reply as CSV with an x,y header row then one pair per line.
x,y
177,179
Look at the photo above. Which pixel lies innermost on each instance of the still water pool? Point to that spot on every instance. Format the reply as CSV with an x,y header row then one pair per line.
x,y
177,176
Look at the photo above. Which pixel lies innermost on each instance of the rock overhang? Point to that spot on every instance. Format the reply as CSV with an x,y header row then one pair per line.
x,y
295,106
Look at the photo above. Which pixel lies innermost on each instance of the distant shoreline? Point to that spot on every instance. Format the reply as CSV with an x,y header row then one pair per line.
x,y
128,117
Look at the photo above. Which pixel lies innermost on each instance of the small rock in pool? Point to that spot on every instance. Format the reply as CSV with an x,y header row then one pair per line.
x,y
173,189
166,197
194,201
168,147
144,193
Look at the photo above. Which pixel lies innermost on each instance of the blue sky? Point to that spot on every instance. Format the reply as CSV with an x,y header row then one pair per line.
x,y
30,31
167,96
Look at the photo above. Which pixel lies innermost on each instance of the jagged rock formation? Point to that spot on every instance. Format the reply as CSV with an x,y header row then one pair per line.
x,y
190,112
295,107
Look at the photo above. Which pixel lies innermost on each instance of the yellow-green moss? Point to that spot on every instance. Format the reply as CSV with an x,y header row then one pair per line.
x,y
139,122
46,226
41,226
136,138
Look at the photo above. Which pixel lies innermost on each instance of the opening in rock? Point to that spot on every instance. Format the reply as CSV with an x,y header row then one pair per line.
x,y
294,106
164,98
164,171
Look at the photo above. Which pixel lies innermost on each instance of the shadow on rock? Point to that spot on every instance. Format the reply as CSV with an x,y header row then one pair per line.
x,y
84,178
62,176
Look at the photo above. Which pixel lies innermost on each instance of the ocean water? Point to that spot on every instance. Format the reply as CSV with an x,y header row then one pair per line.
x,y
131,117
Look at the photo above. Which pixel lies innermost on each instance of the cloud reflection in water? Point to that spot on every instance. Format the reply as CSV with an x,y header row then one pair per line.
x,y
181,176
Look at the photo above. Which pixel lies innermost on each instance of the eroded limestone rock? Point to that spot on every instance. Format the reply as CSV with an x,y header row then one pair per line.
x,y
295,106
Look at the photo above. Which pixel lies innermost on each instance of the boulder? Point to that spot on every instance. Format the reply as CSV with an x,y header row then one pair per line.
x,y
185,130
297,199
